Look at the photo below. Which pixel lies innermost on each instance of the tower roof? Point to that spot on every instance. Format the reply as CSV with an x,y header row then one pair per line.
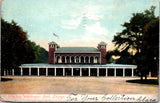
x,y
102,43
53,43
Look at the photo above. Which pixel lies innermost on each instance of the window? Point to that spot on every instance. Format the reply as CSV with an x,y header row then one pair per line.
x,y
72,59
91,59
52,46
77,59
68,59
87,60
102,47
82,59
57,59
63,59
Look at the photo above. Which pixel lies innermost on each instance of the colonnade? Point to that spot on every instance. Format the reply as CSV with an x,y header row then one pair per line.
x,y
89,70
77,59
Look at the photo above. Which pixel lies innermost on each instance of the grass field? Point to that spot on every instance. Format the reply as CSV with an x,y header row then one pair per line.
x,y
78,85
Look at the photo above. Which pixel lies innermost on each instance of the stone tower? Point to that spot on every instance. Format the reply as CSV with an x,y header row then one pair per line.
x,y
102,48
52,48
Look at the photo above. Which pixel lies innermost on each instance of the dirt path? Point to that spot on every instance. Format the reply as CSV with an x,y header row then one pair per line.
x,y
78,85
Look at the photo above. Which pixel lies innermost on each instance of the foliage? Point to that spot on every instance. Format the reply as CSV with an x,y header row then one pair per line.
x,y
17,49
150,47
140,34
14,44
43,57
131,36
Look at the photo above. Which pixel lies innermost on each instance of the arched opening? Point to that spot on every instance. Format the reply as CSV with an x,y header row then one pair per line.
x,y
77,59
72,59
82,59
57,59
91,59
63,59
96,60
68,59
87,59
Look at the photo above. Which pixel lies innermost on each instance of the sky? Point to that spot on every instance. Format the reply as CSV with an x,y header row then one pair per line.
x,y
78,23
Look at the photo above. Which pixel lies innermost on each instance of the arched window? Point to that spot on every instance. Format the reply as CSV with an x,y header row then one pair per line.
x,y
87,59
57,58
82,59
68,59
63,59
77,59
72,59
96,60
91,59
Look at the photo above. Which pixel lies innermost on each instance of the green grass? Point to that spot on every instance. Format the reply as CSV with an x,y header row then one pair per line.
x,y
148,81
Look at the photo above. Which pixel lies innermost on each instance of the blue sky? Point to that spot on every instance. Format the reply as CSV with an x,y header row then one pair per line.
x,y
76,22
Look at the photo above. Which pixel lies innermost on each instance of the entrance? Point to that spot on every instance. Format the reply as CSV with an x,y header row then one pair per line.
x,y
76,71
93,71
59,71
84,71
102,71
67,71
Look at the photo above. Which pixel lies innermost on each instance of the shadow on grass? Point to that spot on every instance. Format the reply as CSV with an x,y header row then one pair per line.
x,y
5,79
148,81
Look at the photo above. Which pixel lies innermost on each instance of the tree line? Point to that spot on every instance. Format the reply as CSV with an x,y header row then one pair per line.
x,y
17,49
138,42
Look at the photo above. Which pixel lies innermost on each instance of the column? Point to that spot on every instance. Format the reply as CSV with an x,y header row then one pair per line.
x,y
29,71
38,71
65,59
114,72
123,72
106,72
46,71
97,72
4,72
63,71
80,71
89,71
21,71
79,59
70,59
132,72
12,72
84,59
150,74
89,60
74,59
55,71
72,72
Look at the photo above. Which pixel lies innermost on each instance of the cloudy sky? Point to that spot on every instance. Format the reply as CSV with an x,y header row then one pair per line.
x,y
76,22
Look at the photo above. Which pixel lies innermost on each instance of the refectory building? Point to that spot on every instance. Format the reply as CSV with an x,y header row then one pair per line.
x,y
76,61
77,55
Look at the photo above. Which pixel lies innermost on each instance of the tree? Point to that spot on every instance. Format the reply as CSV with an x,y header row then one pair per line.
x,y
43,57
17,49
14,43
150,46
132,35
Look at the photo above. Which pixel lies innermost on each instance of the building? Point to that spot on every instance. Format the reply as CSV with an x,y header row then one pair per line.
x,y
77,55
76,61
